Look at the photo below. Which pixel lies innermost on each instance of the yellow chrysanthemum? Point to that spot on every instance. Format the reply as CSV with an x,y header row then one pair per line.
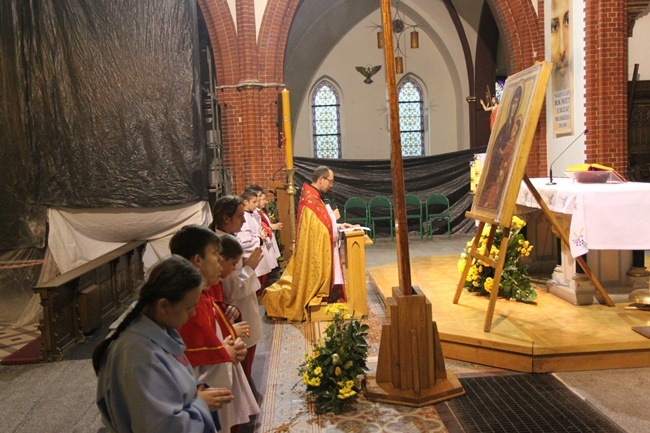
x,y
489,282
461,265
336,308
517,223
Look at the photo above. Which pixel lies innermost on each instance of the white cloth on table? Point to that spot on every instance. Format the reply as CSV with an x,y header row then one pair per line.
x,y
77,236
604,216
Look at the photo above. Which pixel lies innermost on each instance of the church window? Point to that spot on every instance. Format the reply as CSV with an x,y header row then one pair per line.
x,y
411,117
326,118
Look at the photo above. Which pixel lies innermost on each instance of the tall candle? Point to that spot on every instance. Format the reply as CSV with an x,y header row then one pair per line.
x,y
288,140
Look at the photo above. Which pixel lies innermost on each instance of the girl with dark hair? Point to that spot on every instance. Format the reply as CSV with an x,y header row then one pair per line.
x,y
145,383
228,214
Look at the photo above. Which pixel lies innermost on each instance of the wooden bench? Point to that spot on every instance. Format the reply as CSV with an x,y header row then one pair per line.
x,y
75,303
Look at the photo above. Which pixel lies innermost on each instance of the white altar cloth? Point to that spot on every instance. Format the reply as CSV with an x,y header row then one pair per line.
x,y
604,216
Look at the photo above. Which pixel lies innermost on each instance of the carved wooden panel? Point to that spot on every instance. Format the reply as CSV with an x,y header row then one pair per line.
x,y
70,306
639,133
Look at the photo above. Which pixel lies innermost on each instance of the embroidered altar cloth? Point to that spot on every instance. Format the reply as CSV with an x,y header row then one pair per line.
x,y
604,216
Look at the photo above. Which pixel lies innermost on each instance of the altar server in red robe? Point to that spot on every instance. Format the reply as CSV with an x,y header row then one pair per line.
x,y
214,346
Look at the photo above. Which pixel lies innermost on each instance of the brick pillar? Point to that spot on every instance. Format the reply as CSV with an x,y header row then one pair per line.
x,y
522,31
606,82
249,77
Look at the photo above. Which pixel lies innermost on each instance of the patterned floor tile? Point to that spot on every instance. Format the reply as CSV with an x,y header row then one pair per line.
x,y
12,339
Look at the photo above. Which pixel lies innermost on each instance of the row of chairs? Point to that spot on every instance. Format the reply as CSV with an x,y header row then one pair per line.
x,y
380,209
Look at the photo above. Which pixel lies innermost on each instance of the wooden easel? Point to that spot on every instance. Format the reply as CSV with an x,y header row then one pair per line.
x,y
474,253
505,166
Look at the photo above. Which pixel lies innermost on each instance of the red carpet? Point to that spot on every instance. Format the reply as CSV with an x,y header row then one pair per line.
x,y
28,354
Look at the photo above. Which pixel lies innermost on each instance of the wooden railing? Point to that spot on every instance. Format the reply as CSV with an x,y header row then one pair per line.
x,y
76,302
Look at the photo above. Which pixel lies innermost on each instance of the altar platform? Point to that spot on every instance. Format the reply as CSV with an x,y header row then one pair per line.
x,y
551,335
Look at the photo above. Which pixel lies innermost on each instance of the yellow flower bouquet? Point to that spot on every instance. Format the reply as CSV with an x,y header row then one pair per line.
x,y
331,369
515,282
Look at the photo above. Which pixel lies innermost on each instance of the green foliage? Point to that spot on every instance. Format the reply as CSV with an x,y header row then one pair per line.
x,y
515,282
331,369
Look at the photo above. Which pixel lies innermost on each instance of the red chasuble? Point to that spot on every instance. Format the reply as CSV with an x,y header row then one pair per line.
x,y
310,271
310,197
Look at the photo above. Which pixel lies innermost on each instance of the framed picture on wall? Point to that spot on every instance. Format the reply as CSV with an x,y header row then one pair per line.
x,y
509,145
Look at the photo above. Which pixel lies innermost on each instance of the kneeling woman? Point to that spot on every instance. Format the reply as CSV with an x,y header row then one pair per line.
x,y
145,383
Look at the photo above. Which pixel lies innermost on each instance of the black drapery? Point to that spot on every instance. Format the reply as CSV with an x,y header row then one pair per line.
x,y
99,108
447,173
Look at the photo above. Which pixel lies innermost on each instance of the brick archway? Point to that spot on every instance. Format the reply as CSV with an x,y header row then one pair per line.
x,y
250,74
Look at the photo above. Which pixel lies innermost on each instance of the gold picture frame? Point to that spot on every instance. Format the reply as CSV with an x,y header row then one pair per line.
x,y
509,145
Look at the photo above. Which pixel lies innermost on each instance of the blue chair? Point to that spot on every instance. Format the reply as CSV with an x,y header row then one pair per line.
x,y
358,206
380,209
414,210
437,207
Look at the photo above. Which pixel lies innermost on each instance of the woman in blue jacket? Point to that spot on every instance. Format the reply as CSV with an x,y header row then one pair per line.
x,y
145,382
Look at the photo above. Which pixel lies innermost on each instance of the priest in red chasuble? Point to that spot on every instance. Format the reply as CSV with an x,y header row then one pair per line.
x,y
314,270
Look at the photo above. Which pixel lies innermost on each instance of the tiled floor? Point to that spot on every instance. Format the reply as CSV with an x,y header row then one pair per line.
x,y
12,339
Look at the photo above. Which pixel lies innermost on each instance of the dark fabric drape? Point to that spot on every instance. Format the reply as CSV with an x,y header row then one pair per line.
x,y
99,108
447,173
23,222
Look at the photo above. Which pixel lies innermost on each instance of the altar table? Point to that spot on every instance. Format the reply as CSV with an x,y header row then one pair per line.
x,y
603,216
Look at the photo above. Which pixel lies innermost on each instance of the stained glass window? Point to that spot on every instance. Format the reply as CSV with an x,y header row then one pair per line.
x,y
325,108
498,89
411,118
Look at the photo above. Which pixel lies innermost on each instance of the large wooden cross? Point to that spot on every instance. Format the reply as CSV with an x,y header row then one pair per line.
x,y
411,368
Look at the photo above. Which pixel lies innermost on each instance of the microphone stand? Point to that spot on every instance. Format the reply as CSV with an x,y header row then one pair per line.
x,y
550,169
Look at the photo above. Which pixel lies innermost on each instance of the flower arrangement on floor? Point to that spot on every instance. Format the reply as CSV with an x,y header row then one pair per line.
x,y
515,282
331,369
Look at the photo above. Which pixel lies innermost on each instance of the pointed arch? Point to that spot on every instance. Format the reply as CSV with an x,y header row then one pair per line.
x,y
326,119
410,100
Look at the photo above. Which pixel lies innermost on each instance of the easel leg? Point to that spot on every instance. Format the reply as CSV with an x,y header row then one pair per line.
x,y
468,263
497,280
